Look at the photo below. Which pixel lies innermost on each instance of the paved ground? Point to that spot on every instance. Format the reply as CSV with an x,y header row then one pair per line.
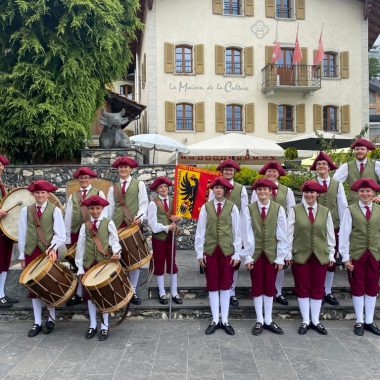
x,y
152,349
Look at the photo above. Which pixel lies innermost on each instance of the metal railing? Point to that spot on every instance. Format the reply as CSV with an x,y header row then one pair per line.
x,y
234,125
231,9
330,71
184,124
330,125
283,11
183,66
285,125
233,68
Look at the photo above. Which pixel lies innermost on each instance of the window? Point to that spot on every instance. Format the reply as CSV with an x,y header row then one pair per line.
x,y
184,59
284,9
330,65
330,119
234,118
127,91
184,117
233,61
232,7
285,118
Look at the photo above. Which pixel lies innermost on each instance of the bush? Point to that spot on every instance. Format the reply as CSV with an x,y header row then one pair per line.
x,y
246,176
375,154
291,153
294,180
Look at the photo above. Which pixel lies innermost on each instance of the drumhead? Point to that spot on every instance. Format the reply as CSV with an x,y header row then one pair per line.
x,y
34,269
100,273
128,231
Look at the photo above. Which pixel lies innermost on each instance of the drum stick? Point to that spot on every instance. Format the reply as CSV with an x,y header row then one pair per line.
x,y
20,203
101,270
138,217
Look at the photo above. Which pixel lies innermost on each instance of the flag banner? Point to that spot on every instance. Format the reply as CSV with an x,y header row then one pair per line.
x,y
318,58
297,54
191,190
277,53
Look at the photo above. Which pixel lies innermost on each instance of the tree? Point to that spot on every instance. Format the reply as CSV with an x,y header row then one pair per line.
x,y
373,67
56,57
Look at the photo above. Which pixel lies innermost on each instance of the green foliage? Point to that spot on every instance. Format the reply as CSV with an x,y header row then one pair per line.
x,y
375,154
294,180
57,56
291,153
246,176
373,67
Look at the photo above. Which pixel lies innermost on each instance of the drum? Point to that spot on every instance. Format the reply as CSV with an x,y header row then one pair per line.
x,y
108,286
134,253
52,282
70,255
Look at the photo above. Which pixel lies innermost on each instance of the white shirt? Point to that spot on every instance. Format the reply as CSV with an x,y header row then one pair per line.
x,y
59,236
69,211
113,242
329,225
345,231
152,217
142,196
201,231
281,235
341,173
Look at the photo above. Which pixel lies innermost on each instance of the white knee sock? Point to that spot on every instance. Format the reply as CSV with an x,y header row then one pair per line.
x,y
214,304
315,309
79,292
268,305
173,285
225,304
3,277
104,324
134,278
161,285
369,307
37,311
359,308
92,313
304,305
328,282
258,304
51,311
279,282
234,283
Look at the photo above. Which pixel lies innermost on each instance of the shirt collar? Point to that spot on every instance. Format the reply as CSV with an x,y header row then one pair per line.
x,y
359,162
362,205
306,205
43,205
128,180
222,202
262,205
99,219
88,188
320,180
162,198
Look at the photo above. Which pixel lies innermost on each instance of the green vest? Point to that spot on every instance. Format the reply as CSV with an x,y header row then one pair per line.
x,y
163,219
329,200
310,238
235,195
265,231
77,217
219,230
281,199
47,223
354,174
91,253
131,200
364,234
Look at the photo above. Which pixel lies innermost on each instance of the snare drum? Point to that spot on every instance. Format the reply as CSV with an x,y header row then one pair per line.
x,y
70,255
52,282
135,252
108,286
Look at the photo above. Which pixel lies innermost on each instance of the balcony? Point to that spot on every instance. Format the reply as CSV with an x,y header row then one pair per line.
x,y
291,78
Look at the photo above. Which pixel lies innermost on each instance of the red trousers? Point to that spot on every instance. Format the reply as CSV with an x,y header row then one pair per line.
x,y
6,246
333,267
162,253
28,260
74,238
263,277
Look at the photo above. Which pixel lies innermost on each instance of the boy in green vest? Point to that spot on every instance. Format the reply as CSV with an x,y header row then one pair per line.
x,y
128,205
88,255
359,246
218,246
335,200
265,247
162,222
41,229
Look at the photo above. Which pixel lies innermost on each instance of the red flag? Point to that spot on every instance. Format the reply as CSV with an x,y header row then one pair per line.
x,y
276,52
320,52
297,54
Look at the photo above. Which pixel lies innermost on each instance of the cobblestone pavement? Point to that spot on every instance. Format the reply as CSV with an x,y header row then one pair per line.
x,y
156,349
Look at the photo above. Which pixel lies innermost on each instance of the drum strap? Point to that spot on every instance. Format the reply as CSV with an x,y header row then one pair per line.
x,y
37,224
84,210
96,239
119,196
159,204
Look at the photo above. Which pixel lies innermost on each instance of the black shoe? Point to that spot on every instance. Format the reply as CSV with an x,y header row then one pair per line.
x,y
177,299
11,300
90,333
228,328
359,329
372,327
212,327
234,301
302,330
257,328
34,331
75,300
319,328
4,304
48,327
163,300
281,300
136,300
103,335
274,328
329,298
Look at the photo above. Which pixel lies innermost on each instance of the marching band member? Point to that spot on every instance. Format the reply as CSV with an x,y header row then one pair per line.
x,y
359,246
88,255
284,196
335,200
162,222
265,247
239,197
311,243
41,229
218,247
128,204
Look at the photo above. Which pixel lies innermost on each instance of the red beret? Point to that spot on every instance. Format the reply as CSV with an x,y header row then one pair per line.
x,y
322,156
125,160
363,142
264,183
228,164
95,200
365,183
42,185
4,160
159,181
272,165
84,170
312,185
221,181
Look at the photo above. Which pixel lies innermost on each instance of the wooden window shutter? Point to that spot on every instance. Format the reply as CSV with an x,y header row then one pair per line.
x,y
304,56
345,118
200,117
220,117
301,126
217,7
219,60
344,65
272,117
169,117
248,8
317,117
168,57
248,60
268,54
270,8
300,9
199,59
249,118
